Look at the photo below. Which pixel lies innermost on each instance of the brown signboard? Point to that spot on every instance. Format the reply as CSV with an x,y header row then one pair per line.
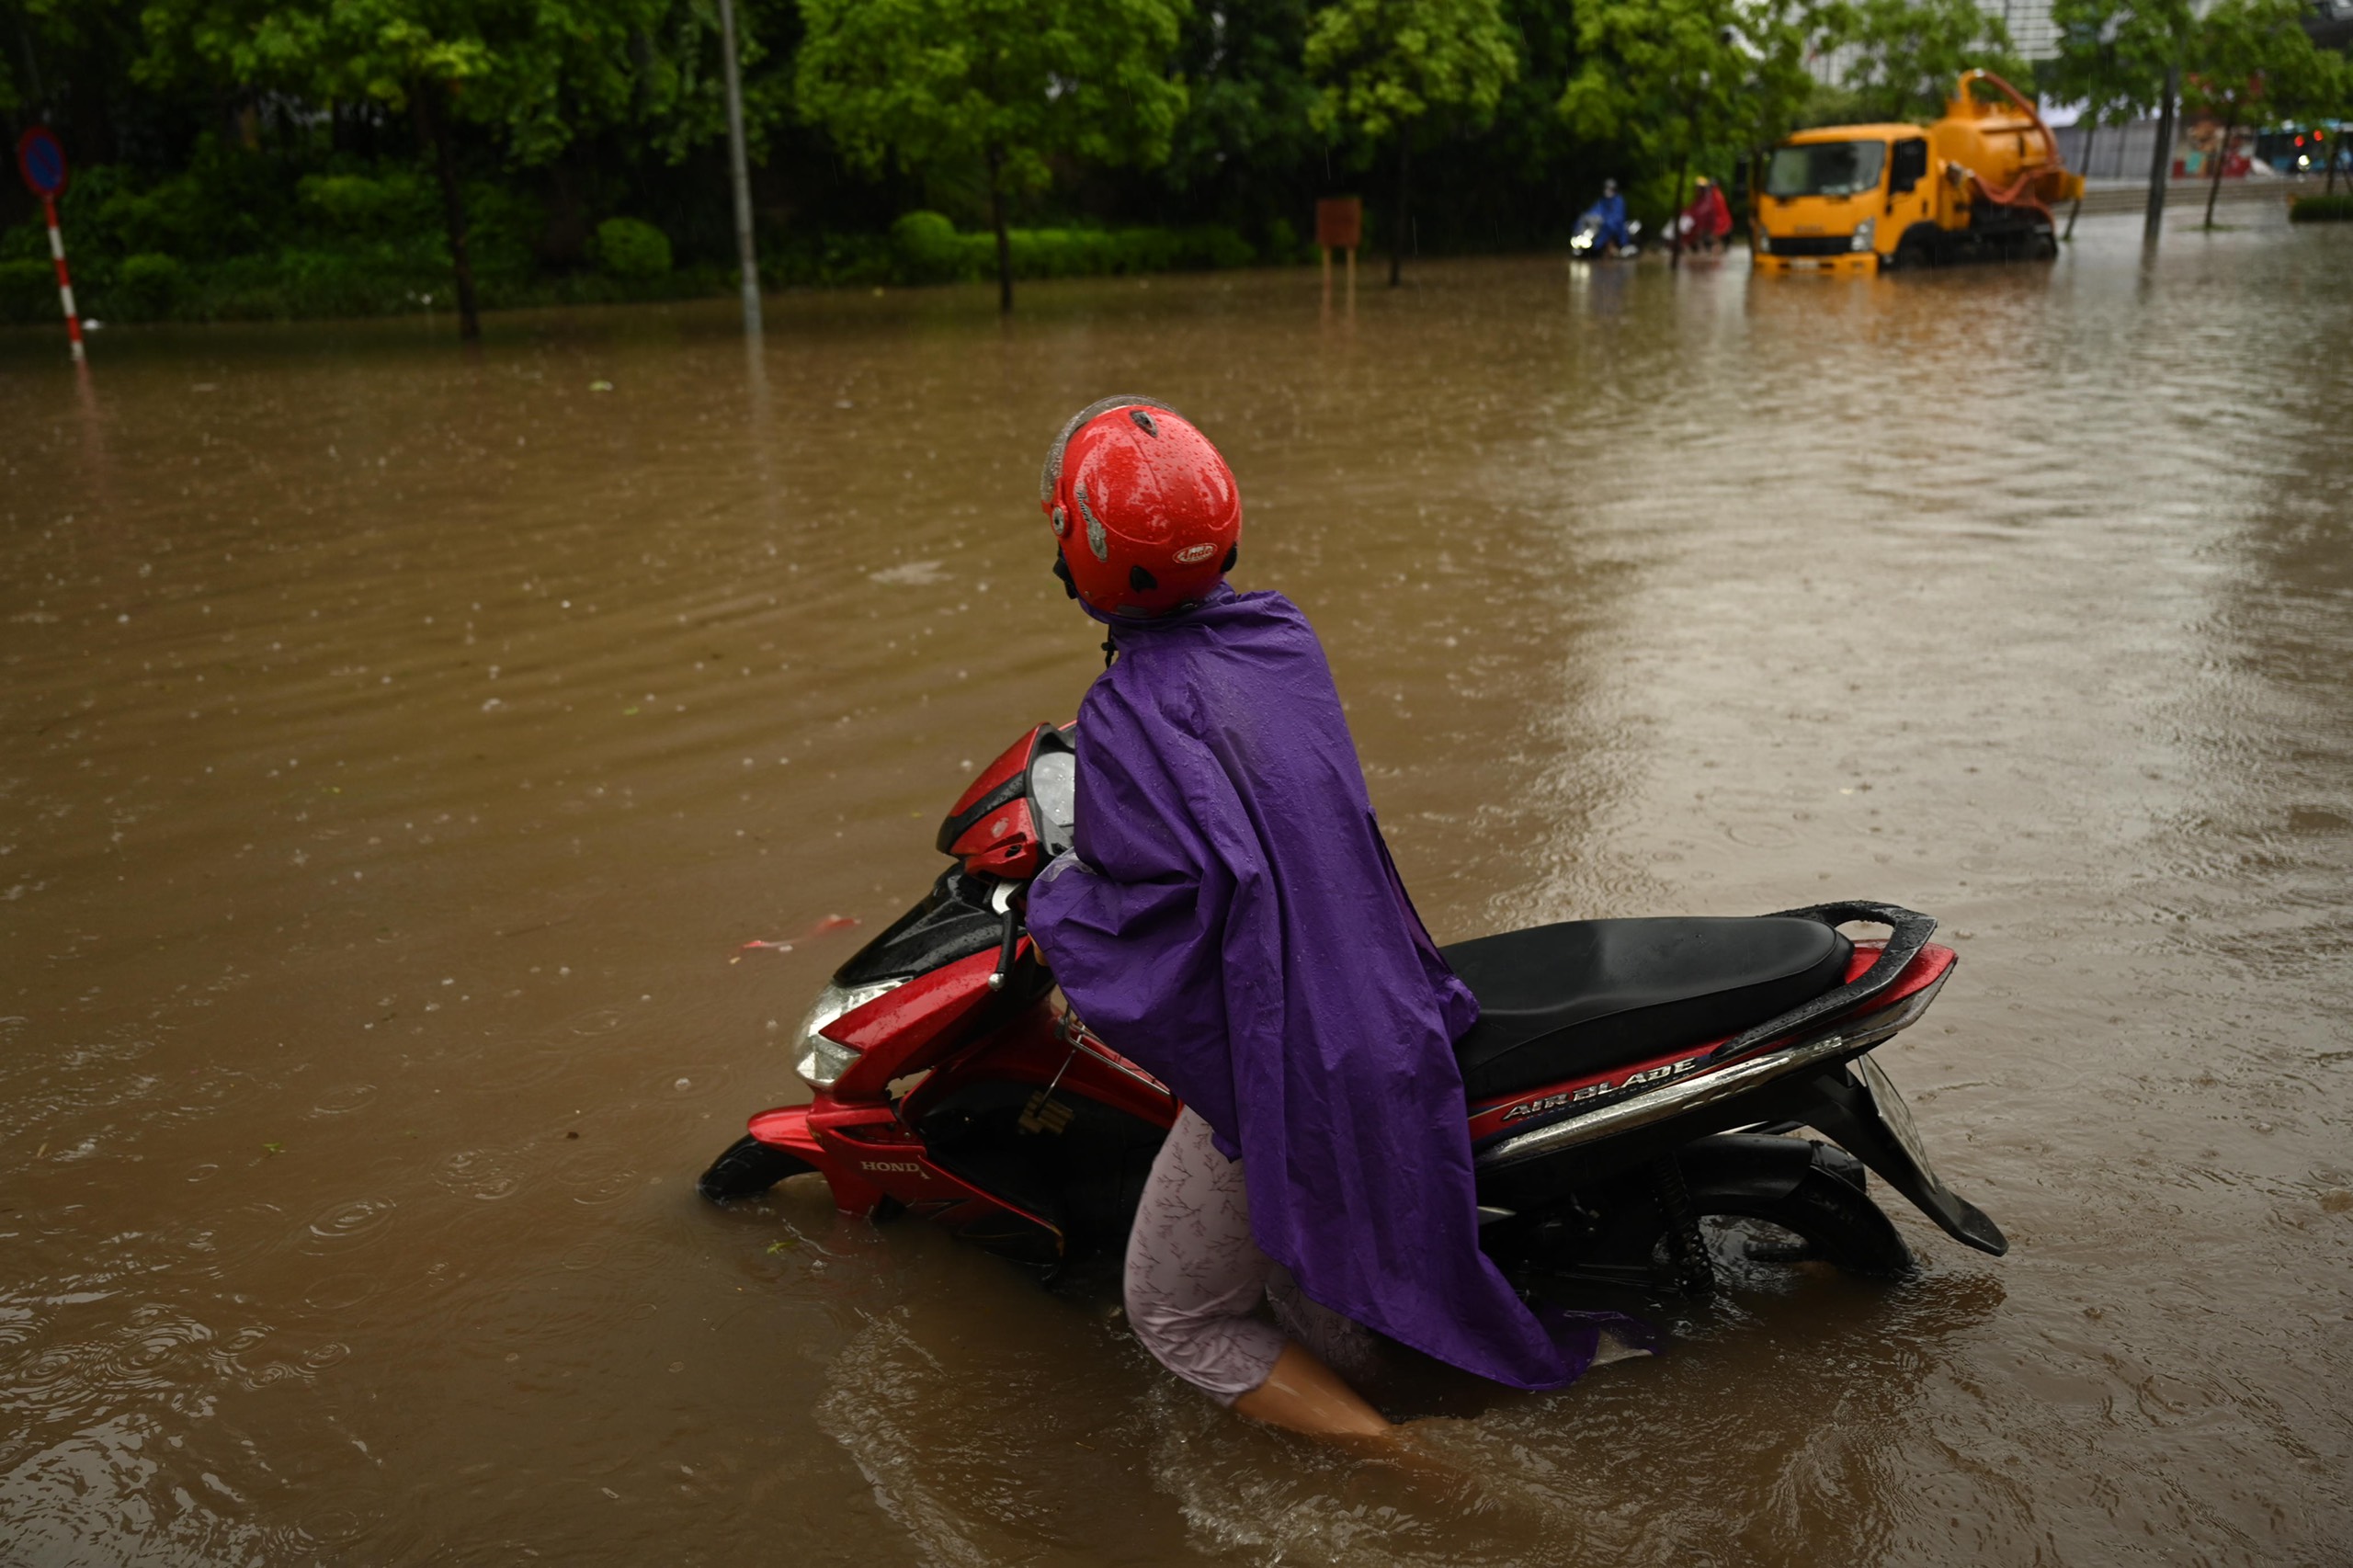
x,y
1339,222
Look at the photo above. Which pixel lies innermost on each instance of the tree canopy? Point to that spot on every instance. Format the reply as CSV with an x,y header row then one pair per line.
x,y
2094,67
1693,75
1908,53
1385,69
1693,82
2247,61
1011,84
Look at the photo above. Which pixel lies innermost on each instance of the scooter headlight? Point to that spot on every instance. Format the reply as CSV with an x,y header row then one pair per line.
x,y
823,1062
1863,231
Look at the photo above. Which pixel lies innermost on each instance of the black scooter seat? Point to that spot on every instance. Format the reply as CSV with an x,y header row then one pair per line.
x,y
1560,1002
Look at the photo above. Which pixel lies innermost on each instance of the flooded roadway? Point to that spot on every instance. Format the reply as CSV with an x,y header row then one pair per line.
x,y
401,744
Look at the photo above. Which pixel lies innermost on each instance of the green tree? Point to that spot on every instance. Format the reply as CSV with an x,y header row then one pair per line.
x,y
2335,101
1686,79
2105,60
409,55
1908,53
1010,84
2092,70
2132,52
1391,69
2247,62
1248,130
535,74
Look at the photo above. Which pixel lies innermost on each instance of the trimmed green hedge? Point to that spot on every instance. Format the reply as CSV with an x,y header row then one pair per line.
x,y
925,247
238,236
929,249
2321,210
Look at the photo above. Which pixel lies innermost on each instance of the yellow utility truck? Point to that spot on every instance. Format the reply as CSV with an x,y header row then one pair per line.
x,y
1979,184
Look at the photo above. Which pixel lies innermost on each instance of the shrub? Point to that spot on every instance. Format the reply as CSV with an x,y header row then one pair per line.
x,y
146,286
929,250
29,290
399,202
2321,210
629,248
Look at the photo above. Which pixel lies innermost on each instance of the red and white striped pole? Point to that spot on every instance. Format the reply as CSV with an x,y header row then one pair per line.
x,y
65,279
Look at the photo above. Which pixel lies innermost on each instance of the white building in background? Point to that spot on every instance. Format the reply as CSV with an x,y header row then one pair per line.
x,y
2029,26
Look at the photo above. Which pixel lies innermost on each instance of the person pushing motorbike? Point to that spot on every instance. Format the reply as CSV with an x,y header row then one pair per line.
x,y
1229,918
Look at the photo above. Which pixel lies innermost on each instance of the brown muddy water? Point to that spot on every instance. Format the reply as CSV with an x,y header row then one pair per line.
x,y
400,742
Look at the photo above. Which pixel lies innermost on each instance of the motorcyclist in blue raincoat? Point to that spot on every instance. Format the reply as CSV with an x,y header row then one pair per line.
x,y
1612,211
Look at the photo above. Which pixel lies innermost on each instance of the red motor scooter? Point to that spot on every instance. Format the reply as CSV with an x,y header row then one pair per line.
x,y
1633,1087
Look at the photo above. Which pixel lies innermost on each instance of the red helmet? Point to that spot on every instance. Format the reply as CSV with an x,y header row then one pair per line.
x,y
1146,510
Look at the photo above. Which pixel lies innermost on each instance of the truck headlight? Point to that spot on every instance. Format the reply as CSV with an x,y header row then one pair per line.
x,y
1761,243
1863,231
823,1062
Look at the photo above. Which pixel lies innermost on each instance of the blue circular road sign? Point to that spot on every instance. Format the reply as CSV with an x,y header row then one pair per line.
x,y
42,161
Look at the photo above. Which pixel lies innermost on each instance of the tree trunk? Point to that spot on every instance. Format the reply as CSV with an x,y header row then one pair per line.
x,y
1004,240
1402,221
2161,161
563,237
2091,135
1675,224
2221,156
434,126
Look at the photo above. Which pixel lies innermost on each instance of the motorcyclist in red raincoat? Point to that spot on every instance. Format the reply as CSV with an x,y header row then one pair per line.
x,y
1707,223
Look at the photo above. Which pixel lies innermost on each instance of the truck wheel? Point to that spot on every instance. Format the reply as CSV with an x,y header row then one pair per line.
x,y
1914,252
747,1168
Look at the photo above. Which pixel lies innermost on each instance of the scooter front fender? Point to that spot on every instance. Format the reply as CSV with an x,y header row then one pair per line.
x,y
786,1128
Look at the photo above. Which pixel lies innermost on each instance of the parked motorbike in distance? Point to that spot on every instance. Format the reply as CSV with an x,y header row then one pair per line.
x,y
1633,1088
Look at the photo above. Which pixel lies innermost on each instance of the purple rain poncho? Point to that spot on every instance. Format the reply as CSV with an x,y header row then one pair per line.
x,y
1231,919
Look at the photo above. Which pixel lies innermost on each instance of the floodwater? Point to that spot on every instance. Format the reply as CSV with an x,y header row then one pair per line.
x,y
401,743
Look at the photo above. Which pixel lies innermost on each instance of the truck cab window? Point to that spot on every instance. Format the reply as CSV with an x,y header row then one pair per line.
x,y
1824,168
1909,166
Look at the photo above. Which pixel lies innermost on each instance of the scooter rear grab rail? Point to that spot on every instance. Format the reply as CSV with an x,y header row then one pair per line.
x,y
1911,931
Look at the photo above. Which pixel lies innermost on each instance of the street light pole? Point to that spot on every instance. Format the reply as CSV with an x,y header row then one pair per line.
x,y
739,170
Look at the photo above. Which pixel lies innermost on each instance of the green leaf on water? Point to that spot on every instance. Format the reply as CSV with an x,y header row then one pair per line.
x,y
782,1246
273,1148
